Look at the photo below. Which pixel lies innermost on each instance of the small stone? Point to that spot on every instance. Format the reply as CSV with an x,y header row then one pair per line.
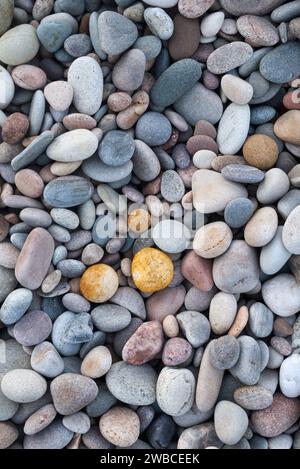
x,y
117,33
46,360
77,423
55,436
40,420
120,426
260,151
222,311
14,128
153,128
71,392
240,322
231,422
281,64
288,376
185,39
145,162
78,45
176,351
19,45
7,84
277,418
128,73
238,212
171,236
253,397
197,270
8,433
59,95
195,327
224,352
76,145
243,173
110,318
99,283
208,384
228,57
152,270
96,363
33,328
133,385
29,183
68,191
23,386
237,90
29,77
282,295
194,8
159,23
7,12
165,302
9,255
130,299
233,128
116,148
261,228
145,343
175,390
289,232
260,320
257,31
247,368
212,240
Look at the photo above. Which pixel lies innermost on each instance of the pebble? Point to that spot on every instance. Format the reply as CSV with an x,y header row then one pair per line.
x,y
29,183
131,300
55,436
260,320
277,418
199,437
96,363
153,129
86,78
32,151
243,173
110,318
117,33
145,162
185,39
152,270
237,90
247,369
253,397
133,385
275,185
117,148
200,103
99,283
38,245
165,302
197,271
202,159
175,390
159,23
194,326
8,85
9,255
40,420
284,302
222,312
82,389
8,434
19,45
208,384
212,192
231,422
144,344
59,95
77,423
76,145
33,328
14,128
261,228
29,77
238,212
54,30
260,151
120,426
224,352
177,351
289,232
258,32
6,18
23,386
233,128
281,64
8,408
288,376
67,191
46,360
228,57
194,8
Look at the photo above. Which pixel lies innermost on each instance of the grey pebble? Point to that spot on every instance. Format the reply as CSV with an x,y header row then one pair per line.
x,y
110,318
116,148
66,218
150,45
122,336
172,187
32,151
8,282
98,338
37,112
238,212
247,369
46,360
146,165
59,233
80,329
76,303
243,173
35,217
78,45
77,423
99,171
78,240
282,64
103,402
55,436
15,305
68,191
224,352
153,129
262,114
195,327
59,339
117,33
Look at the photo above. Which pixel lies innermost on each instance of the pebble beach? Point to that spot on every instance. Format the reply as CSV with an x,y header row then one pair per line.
x,y
149,224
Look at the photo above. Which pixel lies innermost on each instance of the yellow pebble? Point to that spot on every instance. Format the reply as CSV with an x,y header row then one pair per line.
x,y
152,270
99,283
139,221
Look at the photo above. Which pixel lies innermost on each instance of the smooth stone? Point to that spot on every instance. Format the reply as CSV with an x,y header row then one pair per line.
x,y
233,128
7,88
103,402
171,236
130,299
29,183
19,45
29,77
82,389
289,376
8,408
34,259
289,232
244,7
54,29
110,318
133,385
76,145
144,344
120,426
194,8
208,384
231,422
286,12
9,255
212,23
175,390
7,12
237,90
185,39
202,159
161,3
238,212
260,151
32,151
277,418
36,217
259,84
200,103
16,358
78,45
224,352
159,23
128,73
8,434
282,295
261,228
275,185
262,114
86,78
161,432
150,45
274,255
212,192
33,328
77,423
116,148
198,271
193,417
145,162
23,386
281,64
247,369
257,31
165,302
75,303
66,218
194,326
55,436
269,380
176,351
222,312
153,128
253,397
75,9
40,419
281,442
46,361
175,81
99,171
243,173
97,362
201,436
285,127
68,191
228,57
172,187
117,33
60,330
260,320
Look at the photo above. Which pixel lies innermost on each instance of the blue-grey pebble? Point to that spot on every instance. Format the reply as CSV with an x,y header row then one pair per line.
x,y
37,112
150,45
103,402
98,171
161,432
270,94
94,35
78,45
69,6
259,84
243,173
162,62
153,128
248,366
59,233
66,218
117,33
145,162
78,240
238,212
76,303
166,161
79,330
32,151
110,318
71,268
288,203
53,32
68,191
15,305
104,229
116,148
146,414
87,214
253,63
8,282
282,64
35,217
261,320
53,307
262,114
60,253
286,12
174,82
181,156
72,365
60,327
172,186
55,436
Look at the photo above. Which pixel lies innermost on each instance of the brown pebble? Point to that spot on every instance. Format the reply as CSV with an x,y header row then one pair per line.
x,y
119,101
79,121
144,344
260,151
8,434
4,227
40,419
221,161
165,302
8,255
287,127
185,39
291,100
201,142
198,271
282,328
240,322
120,426
29,183
281,345
29,77
14,128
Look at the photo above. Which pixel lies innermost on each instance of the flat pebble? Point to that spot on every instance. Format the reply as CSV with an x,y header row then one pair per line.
x,y
117,33
117,148
55,436
238,212
231,422
228,57
286,58
67,191
120,426
19,45
247,368
233,128
172,385
23,386
284,301
236,89
194,326
253,397
46,360
261,228
33,328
